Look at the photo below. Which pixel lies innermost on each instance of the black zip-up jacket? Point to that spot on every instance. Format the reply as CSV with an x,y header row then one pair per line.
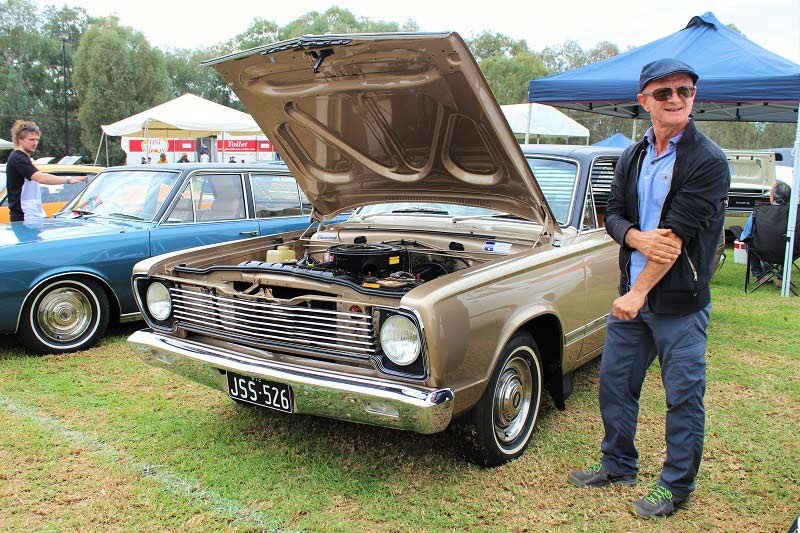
x,y
694,209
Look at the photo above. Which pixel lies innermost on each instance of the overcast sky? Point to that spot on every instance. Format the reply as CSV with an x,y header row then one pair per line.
x,y
773,24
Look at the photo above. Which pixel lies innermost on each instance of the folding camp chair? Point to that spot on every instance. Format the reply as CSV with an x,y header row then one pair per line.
x,y
768,245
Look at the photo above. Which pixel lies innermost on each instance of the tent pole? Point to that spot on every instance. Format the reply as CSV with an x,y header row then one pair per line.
x,y
107,161
528,123
99,146
633,133
787,262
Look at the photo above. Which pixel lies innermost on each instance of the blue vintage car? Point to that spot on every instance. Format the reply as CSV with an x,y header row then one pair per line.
x,y
63,279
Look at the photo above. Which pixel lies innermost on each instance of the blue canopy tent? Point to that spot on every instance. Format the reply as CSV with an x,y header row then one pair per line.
x,y
618,140
739,81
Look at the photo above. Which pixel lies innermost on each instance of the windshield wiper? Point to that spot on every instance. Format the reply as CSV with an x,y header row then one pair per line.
x,y
423,210
478,217
124,215
81,212
407,210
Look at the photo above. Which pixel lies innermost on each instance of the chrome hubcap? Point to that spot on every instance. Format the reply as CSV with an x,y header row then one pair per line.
x,y
64,314
512,400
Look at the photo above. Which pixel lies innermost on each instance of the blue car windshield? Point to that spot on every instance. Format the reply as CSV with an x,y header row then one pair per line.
x,y
126,194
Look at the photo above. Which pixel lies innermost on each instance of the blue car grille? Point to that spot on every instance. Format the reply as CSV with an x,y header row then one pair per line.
x,y
312,328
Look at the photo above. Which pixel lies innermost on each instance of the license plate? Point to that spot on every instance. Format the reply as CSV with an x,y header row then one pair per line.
x,y
260,392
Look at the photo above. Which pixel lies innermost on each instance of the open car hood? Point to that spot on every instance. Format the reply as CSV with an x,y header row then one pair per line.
x,y
365,119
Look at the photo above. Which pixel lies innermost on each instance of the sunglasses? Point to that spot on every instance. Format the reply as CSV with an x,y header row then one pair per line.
x,y
30,127
664,94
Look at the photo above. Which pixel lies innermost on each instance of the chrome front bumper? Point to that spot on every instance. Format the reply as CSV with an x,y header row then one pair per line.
x,y
316,392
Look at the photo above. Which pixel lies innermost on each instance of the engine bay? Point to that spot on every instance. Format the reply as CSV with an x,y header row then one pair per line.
x,y
380,268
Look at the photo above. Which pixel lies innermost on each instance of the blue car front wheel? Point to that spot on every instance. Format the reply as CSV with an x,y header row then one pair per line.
x,y
64,315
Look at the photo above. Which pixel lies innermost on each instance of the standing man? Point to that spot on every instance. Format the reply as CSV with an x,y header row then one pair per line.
x,y
666,210
23,179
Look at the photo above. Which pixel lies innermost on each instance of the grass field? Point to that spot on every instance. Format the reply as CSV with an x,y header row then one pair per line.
x,y
98,441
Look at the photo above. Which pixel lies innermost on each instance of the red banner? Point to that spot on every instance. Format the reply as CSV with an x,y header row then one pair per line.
x,y
244,145
163,145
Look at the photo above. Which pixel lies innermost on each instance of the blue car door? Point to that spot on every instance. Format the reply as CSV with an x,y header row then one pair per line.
x,y
210,208
277,203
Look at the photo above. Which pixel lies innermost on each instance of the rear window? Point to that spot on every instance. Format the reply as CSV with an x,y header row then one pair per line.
x,y
556,178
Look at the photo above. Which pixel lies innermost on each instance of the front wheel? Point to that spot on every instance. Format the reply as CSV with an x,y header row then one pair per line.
x,y
64,315
500,425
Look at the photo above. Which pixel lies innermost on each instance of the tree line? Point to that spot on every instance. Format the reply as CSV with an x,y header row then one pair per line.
x,y
113,72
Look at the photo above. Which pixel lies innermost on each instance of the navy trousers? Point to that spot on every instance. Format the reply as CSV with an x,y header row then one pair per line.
x,y
630,348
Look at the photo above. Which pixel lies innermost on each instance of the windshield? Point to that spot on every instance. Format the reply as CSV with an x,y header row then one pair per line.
x,y
424,208
130,194
556,178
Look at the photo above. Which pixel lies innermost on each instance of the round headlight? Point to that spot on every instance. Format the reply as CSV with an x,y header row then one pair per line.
x,y
158,301
400,340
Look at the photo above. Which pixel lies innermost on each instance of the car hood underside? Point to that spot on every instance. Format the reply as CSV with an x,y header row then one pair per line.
x,y
365,119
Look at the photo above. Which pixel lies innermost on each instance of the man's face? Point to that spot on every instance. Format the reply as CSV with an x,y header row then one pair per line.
x,y
674,111
28,141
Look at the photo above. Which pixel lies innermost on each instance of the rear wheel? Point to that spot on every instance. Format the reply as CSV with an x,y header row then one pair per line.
x,y
500,425
64,315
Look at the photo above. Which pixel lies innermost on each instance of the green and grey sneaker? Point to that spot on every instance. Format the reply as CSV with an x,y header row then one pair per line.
x,y
598,475
660,502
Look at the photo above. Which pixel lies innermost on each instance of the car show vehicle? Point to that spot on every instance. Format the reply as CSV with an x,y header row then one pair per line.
x,y
65,278
473,276
54,197
752,176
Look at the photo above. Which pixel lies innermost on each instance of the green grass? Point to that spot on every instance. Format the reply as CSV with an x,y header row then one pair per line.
x,y
97,440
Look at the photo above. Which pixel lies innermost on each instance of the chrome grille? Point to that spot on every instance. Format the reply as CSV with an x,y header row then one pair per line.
x,y
328,332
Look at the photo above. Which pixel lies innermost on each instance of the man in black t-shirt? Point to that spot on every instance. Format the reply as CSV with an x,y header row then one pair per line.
x,y
23,178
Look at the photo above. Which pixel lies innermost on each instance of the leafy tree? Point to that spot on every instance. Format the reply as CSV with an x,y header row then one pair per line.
x,y
188,76
336,20
508,77
488,45
565,56
32,70
117,74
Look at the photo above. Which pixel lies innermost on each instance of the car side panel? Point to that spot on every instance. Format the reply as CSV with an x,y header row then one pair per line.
x,y
108,257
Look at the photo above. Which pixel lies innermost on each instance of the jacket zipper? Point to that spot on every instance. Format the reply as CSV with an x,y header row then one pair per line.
x,y
694,270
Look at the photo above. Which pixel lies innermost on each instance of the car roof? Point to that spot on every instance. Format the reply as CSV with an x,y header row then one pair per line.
x,y
203,166
70,168
570,150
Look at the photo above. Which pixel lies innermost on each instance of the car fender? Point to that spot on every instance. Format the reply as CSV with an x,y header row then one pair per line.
x,y
67,272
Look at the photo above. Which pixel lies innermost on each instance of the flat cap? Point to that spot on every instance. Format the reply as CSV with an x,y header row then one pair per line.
x,y
661,68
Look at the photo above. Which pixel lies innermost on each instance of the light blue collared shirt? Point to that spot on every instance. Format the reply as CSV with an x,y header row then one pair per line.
x,y
652,188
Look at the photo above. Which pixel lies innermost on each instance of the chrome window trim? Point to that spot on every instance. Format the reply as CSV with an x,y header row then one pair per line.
x,y
589,188
256,174
578,165
187,178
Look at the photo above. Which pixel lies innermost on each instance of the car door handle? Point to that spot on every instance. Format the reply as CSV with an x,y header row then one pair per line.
x,y
250,233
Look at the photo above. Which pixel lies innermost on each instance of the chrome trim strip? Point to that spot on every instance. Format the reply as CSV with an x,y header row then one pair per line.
x,y
316,392
130,317
584,331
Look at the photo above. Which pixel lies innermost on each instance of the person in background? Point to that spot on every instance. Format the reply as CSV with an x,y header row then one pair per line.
x,y
665,210
23,178
779,194
149,160
144,161
162,159
231,159
204,157
184,159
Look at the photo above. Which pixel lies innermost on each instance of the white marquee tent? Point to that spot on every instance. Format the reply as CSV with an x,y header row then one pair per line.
x,y
185,116
538,119
5,145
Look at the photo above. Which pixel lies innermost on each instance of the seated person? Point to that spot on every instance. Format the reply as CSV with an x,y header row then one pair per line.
x,y
779,194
